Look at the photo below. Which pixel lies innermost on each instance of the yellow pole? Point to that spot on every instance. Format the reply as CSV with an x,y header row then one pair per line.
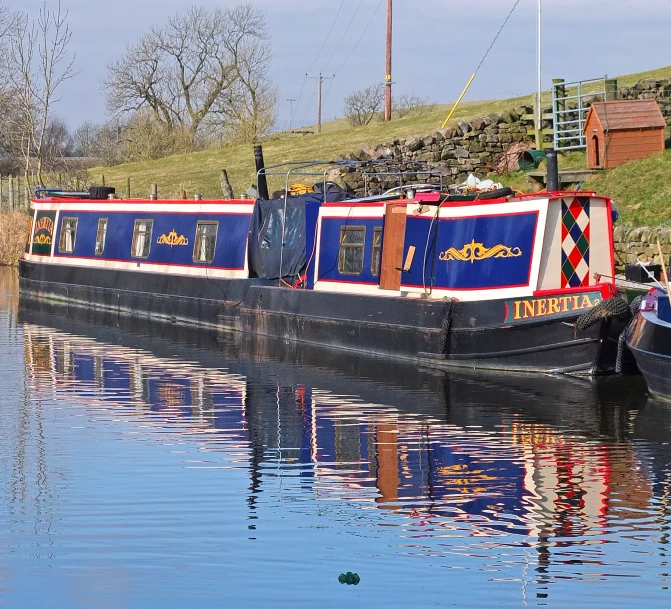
x,y
449,116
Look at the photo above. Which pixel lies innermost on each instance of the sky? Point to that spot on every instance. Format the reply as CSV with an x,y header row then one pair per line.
x,y
437,45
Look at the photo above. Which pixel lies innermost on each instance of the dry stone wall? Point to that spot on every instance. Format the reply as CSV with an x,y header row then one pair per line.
x,y
478,146
632,244
474,147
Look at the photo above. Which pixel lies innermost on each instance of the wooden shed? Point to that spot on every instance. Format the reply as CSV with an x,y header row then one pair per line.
x,y
620,131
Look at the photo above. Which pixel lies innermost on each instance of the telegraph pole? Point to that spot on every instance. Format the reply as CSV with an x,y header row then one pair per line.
x,y
387,78
320,79
539,107
291,115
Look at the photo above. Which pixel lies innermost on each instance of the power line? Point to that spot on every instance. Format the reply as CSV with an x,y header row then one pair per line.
x,y
298,102
310,102
343,36
512,10
362,35
314,61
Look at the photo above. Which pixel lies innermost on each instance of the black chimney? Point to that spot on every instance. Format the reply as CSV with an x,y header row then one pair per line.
x,y
552,179
262,186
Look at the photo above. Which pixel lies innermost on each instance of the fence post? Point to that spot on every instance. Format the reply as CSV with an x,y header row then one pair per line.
x,y
226,187
102,179
128,187
27,196
11,193
1,194
153,193
611,89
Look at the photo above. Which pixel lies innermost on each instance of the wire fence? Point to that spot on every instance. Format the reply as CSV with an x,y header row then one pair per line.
x,y
15,194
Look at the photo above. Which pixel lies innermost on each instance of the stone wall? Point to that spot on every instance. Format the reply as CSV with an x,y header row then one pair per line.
x,y
632,244
651,89
468,147
479,145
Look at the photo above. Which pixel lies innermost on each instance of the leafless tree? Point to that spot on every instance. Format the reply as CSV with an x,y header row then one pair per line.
x,y
38,63
407,104
204,69
362,106
106,142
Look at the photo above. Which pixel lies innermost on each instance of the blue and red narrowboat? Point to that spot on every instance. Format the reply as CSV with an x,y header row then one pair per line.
x,y
649,339
440,279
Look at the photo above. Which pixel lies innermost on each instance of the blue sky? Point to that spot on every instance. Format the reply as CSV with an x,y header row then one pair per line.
x,y
437,45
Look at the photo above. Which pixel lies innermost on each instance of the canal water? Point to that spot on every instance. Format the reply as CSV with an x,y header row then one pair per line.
x,y
151,466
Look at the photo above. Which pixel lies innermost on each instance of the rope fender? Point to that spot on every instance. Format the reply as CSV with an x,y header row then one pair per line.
x,y
611,307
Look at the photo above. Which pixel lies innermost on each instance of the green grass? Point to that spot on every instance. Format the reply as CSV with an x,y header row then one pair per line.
x,y
199,172
641,189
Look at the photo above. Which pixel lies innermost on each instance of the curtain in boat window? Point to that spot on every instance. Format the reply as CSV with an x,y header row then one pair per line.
x,y
68,233
206,241
141,238
101,236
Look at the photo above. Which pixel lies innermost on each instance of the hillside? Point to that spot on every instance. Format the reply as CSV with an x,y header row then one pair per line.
x,y
642,189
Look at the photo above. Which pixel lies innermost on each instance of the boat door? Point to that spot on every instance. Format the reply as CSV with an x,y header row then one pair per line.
x,y
392,246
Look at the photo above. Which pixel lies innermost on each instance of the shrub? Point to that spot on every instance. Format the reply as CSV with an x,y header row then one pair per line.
x,y
362,106
14,231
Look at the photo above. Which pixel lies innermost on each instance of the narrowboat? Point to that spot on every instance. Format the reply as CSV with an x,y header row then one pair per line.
x,y
485,280
649,340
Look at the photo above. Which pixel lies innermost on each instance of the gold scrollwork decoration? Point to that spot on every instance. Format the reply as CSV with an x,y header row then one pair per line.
x,y
42,240
172,239
477,251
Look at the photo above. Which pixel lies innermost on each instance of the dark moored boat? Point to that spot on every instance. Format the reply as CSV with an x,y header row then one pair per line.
x,y
481,281
649,339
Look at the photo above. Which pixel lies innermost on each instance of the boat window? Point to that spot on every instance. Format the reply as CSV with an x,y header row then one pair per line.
x,y
205,242
101,235
350,255
141,238
66,244
377,247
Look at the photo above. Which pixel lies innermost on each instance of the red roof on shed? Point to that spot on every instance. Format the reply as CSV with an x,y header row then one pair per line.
x,y
633,114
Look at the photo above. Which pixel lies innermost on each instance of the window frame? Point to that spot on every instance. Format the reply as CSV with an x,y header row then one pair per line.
x,y
150,232
375,268
104,239
342,249
197,241
64,219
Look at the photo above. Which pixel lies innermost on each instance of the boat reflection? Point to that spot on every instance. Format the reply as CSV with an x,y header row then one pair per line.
x,y
554,461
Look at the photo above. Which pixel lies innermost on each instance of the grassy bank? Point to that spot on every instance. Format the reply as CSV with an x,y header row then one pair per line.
x,y
14,230
199,172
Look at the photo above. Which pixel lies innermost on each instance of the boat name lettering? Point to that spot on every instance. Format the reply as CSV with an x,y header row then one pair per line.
x,y
477,251
172,239
45,223
532,308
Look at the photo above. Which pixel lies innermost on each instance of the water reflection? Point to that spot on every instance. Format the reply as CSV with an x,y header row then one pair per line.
x,y
532,480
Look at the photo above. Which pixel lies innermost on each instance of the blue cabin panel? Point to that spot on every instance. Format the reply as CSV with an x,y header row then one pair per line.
x,y
330,248
172,237
471,253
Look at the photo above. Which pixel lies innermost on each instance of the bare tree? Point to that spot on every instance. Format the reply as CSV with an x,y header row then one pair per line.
x,y
189,71
38,63
362,106
410,105
106,142
248,108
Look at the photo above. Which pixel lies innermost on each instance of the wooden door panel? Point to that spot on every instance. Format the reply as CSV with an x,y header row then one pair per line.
x,y
392,247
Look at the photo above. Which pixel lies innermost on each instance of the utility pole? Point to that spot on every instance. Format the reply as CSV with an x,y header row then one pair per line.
x,y
291,115
539,107
387,78
320,79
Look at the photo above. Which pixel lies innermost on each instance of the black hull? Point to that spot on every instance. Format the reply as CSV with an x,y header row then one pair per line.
x,y
649,340
438,334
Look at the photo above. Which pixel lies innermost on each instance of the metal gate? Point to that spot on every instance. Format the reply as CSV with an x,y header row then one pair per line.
x,y
570,104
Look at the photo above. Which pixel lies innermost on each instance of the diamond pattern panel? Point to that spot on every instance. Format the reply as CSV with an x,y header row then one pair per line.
x,y
575,242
